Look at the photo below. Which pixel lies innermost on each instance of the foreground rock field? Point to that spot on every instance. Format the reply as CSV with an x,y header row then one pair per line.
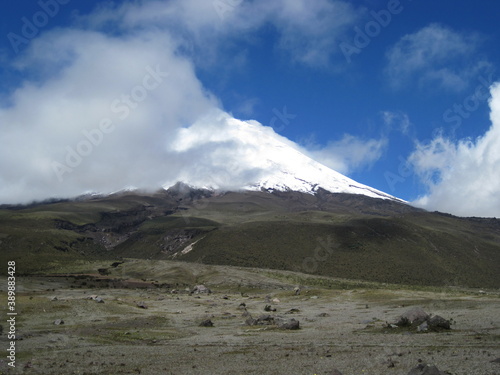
x,y
122,323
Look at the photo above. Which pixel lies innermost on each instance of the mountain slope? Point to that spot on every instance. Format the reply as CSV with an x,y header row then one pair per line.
x,y
342,235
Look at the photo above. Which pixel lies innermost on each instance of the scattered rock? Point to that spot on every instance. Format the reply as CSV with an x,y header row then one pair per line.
x,y
323,315
335,372
201,289
277,321
261,320
437,323
54,299
276,300
289,324
296,290
96,298
426,370
413,317
250,321
266,318
206,323
417,318
269,308
424,327
496,360
58,322
390,363
242,306
142,305
292,311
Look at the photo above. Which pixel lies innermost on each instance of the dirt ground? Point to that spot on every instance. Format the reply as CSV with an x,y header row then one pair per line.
x,y
340,328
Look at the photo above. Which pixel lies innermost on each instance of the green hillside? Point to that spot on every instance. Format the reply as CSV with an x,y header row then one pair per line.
x,y
338,235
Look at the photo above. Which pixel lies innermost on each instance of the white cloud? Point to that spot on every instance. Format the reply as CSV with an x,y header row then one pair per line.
x,y
224,152
398,121
306,30
112,92
350,153
309,29
435,56
463,177
138,84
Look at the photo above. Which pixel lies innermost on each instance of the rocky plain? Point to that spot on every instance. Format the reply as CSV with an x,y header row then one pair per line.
x,y
168,317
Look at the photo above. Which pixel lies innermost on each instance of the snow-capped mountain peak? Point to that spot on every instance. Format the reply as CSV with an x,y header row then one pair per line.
x,y
245,155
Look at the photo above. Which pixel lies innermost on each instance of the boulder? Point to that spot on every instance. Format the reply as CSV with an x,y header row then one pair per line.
x,y
206,323
142,305
269,308
289,324
437,323
426,370
265,319
424,327
242,306
261,320
58,322
96,298
413,317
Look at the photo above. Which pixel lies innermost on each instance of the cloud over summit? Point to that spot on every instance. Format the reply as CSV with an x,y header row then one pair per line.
x,y
107,96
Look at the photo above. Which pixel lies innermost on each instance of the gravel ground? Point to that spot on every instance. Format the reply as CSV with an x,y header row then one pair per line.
x,y
339,329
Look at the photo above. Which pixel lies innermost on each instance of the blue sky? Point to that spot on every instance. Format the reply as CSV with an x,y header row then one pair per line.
x,y
395,94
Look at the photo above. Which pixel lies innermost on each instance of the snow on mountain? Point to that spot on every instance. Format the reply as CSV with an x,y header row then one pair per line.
x,y
245,155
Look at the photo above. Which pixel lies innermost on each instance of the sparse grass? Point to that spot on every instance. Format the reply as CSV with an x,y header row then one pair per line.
x,y
118,337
